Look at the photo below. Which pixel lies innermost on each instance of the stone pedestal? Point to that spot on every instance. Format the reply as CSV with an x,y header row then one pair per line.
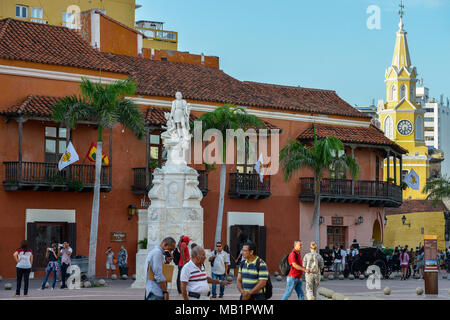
x,y
174,211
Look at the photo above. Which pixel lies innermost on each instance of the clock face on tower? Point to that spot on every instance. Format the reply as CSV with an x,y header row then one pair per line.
x,y
405,127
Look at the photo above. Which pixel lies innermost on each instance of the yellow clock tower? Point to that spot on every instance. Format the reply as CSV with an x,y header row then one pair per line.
x,y
402,120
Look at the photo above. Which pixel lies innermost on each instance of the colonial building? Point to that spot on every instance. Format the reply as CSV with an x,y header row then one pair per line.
x,y
40,63
66,13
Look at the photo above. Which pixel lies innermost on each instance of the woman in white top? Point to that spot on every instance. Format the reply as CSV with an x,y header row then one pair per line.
x,y
24,260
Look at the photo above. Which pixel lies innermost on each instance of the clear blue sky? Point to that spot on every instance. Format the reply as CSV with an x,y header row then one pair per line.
x,y
319,44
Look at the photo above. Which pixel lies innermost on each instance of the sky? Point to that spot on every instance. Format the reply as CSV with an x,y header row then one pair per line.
x,y
323,44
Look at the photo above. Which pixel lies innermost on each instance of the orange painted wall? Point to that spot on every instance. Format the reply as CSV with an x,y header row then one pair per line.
x,y
184,57
113,37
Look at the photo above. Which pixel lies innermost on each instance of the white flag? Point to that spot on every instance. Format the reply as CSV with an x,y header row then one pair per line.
x,y
259,167
69,157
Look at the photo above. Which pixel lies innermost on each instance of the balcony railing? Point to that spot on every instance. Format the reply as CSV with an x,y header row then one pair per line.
x,y
140,187
39,20
161,35
41,176
375,193
248,186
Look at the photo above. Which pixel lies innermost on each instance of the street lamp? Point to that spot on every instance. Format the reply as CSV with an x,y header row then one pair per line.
x,y
131,211
359,221
404,221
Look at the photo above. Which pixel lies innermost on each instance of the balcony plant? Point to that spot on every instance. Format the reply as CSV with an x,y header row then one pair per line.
x,y
318,157
403,185
75,185
390,180
104,105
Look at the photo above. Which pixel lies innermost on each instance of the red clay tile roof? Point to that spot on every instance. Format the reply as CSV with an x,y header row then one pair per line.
x,y
197,82
165,78
309,100
33,106
35,42
410,206
44,43
364,135
42,107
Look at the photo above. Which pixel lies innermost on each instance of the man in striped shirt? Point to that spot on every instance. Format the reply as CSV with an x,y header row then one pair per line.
x,y
194,281
251,281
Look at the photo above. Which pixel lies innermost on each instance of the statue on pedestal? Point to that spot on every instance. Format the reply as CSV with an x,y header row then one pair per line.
x,y
177,137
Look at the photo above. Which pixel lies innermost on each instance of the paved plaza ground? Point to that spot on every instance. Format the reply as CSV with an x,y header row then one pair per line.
x,y
121,290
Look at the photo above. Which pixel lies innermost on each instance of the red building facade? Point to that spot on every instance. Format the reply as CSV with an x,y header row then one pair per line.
x,y
40,64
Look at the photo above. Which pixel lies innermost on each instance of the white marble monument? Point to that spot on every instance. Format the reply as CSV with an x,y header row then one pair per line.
x,y
175,197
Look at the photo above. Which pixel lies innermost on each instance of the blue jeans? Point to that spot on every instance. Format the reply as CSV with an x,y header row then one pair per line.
x,y
293,283
151,296
221,277
47,273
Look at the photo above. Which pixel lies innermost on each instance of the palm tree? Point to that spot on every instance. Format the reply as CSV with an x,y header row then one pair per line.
x,y
222,119
318,157
437,189
106,106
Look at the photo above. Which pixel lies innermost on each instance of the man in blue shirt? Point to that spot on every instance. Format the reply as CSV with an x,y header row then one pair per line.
x,y
157,289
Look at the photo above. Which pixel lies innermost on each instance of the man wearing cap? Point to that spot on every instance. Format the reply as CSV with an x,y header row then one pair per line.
x,y
184,258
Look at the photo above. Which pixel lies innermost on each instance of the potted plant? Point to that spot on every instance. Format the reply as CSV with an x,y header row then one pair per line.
x,y
153,164
403,185
390,180
143,243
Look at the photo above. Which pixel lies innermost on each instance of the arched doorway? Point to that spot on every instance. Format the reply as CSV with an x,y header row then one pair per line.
x,y
376,233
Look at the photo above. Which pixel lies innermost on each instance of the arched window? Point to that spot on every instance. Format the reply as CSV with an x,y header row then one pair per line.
x,y
412,95
393,93
402,91
419,128
388,127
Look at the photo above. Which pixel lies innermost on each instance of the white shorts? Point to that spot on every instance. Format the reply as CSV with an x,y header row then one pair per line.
x,y
110,266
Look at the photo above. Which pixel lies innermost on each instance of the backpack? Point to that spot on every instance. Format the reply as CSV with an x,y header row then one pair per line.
x,y
267,290
315,268
212,262
285,267
176,256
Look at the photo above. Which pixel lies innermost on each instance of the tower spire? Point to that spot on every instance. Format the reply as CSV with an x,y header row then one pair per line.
x,y
401,52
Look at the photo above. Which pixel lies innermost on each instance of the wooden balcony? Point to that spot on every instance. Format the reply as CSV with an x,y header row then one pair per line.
x,y
139,186
248,186
45,176
374,193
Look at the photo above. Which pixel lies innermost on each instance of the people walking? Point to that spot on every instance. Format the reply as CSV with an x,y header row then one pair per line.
x,y
313,262
184,257
110,261
52,255
122,261
219,263
65,253
253,274
294,277
24,261
194,280
156,283
343,255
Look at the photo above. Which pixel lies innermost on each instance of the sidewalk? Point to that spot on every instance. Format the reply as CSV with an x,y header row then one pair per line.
x,y
121,290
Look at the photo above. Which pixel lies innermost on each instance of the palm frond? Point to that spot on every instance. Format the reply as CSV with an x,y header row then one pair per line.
x,y
437,189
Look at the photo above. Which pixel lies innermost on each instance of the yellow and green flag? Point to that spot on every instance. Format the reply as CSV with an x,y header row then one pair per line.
x,y
92,153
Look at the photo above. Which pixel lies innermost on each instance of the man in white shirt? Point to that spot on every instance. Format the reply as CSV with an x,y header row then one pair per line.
x,y
344,255
219,260
193,278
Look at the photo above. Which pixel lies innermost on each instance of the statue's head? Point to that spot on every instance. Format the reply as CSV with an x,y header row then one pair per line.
x,y
178,95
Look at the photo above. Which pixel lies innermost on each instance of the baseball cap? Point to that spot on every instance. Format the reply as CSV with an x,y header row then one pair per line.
x,y
186,238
